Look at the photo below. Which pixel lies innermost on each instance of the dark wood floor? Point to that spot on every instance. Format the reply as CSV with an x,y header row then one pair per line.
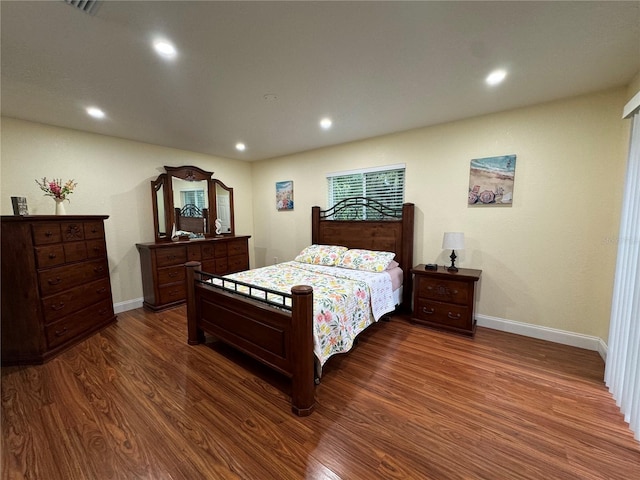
x,y
136,402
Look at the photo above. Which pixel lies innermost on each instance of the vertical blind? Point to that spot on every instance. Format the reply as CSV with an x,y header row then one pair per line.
x,y
385,185
622,372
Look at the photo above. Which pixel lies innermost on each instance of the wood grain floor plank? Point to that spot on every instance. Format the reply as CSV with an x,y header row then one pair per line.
x,y
135,401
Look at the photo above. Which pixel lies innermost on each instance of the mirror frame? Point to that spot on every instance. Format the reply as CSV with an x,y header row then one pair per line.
x,y
156,185
215,184
189,173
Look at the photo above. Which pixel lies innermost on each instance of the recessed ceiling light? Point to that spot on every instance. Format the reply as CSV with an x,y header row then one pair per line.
x,y
165,49
241,147
326,123
95,112
496,77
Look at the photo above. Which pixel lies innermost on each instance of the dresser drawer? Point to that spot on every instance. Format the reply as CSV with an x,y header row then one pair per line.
x,y
237,263
59,279
237,248
54,307
209,266
75,251
93,230
220,250
44,233
222,266
77,323
208,251
443,290
194,253
171,274
49,256
442,313
171,256
172,293
96,249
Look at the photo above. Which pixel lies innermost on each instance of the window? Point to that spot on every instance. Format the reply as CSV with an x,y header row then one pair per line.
x,y
193,197
383,184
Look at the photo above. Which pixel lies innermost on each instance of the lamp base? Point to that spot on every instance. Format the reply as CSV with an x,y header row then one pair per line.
x,y
453,267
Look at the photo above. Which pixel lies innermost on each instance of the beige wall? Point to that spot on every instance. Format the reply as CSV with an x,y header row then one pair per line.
x,y
547,260
113,178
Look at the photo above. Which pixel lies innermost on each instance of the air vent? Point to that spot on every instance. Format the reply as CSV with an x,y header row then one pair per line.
x,y
87,6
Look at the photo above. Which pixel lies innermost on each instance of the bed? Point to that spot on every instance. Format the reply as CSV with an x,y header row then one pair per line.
x,y
191,218
278,326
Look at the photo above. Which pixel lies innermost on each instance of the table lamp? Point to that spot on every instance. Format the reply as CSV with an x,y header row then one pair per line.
x,y
453,241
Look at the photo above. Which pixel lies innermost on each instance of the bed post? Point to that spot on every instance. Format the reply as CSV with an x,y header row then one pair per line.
x,y
315,224
193,333
302,363
407,254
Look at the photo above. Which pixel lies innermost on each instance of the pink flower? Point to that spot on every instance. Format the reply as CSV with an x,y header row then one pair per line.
x,y
55,189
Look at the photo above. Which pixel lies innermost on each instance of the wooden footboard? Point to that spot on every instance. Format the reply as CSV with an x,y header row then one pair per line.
x,y
281,338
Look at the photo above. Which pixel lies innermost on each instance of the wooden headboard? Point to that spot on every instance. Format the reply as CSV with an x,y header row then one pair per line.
x,y
391,231
191,219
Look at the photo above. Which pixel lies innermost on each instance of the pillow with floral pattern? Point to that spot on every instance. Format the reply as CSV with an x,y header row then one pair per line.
x,y
369,260
321,254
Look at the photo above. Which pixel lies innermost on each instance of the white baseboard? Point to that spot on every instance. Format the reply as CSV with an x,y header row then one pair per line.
x,y
127,305
545,333
527,329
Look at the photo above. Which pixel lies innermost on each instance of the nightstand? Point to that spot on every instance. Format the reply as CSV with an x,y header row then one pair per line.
x,y
444,299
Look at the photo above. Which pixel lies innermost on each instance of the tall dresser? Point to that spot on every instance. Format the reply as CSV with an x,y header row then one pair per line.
x,y
56,289
163,271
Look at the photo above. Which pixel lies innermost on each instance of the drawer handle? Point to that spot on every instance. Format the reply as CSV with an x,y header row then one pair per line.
x,y
48,234
96,249
98,269
60,333
173,274
54,281
103,311
94,230
101,290
431,311
52,255
171,257
173,293
57,306
453,317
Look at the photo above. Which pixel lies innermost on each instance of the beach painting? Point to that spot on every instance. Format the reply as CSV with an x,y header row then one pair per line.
x,y
284,195
491,180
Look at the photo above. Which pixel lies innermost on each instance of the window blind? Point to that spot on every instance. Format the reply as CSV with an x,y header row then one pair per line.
x,y
385,185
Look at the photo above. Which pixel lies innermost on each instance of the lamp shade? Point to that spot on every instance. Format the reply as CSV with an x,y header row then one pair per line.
x,y
453,241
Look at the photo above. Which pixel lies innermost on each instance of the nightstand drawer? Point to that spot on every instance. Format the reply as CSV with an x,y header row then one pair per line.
x,y
443,313
442,290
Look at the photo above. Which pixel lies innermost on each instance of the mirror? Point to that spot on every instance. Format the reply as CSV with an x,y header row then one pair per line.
x,y
187,201
224,208
159,207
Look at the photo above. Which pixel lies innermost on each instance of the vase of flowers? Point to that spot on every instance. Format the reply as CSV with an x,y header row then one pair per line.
x,y
58,191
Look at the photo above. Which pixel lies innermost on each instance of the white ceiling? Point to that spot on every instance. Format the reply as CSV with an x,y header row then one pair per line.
x,y
373,67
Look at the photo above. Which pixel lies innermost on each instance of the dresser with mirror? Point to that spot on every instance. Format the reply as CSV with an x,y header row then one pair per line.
x,y
193,220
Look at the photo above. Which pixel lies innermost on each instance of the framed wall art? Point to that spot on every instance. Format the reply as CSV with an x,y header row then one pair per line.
x,y
491,181
284,195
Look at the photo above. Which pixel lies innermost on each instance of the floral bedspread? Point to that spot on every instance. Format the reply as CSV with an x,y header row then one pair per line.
x,y
345,301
